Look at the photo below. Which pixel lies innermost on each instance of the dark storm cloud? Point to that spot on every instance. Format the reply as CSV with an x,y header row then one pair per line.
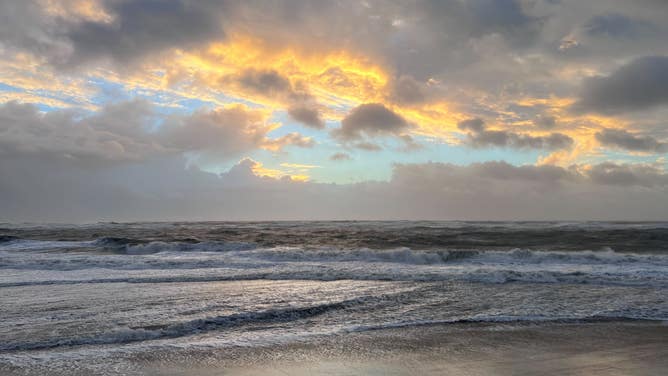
x,y
306,115
478,136
638,85
628,141
371,119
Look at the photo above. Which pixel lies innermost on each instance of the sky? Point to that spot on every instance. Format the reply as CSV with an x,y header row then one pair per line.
x,y
119,110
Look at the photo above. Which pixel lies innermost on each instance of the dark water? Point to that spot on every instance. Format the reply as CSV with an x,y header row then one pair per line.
x,y
622,236
104,291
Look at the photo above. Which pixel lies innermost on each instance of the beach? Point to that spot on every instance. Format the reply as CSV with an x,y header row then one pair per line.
x,y
617,348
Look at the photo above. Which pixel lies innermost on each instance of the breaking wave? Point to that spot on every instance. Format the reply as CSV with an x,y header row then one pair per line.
x,y
191,327
435,257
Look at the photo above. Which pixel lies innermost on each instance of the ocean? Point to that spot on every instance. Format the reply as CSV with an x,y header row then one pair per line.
x,y
86,298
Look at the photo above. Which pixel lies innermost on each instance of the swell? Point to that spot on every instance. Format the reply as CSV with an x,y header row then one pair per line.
x,y
193,327
122,245
657,279
251,251
436,257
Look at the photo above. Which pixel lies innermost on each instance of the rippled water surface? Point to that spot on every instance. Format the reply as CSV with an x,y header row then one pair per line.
x,y
103,289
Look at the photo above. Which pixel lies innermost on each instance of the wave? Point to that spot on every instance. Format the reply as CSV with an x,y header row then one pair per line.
x,y
210,324
122,245
632,278
223,261
399,255
404,255
18,244
159,246
8,238
435,257
481,319
192,327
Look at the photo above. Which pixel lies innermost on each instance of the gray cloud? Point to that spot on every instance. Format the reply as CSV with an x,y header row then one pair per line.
x,y
628,141
115,133
164,190
340,157
136,29
638,85
406,90
545,122
225,133
143,27
481,17
371,120
615,25
266,82
475,125
628,175
306,115
478,136
367,146
122,132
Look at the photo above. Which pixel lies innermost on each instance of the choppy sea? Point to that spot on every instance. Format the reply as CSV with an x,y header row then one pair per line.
x,y
96,291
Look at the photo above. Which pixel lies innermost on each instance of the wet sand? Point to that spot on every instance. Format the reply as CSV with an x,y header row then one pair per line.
x,y
597,348
606,348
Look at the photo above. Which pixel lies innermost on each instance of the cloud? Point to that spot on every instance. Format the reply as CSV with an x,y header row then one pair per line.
x,y
267,82
292,138
478,136
477,18
367,146
140,28
371,120
224,132
406,90
545,122
113,134
639,85
340,157
307,115
615,25
475,125
43,189
627,175
125,132
622,139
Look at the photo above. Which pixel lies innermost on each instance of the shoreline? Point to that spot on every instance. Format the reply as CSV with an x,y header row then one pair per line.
x,y
599,348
